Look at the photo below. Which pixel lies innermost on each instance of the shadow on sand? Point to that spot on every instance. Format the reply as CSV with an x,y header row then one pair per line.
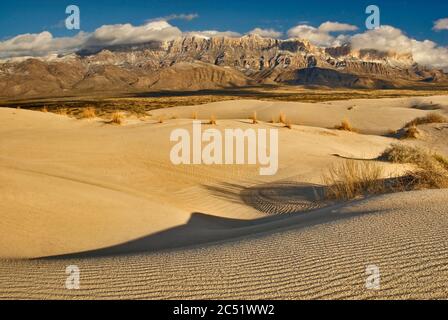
x,y
206,229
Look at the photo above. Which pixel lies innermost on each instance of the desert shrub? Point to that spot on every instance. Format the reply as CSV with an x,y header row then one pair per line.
x,y
88,113
433,117
411,132
351,179
431,168
213,120
400,153
346,126
254,118
62,111
117,118
282,118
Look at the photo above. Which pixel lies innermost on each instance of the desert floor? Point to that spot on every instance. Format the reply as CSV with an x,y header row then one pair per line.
x,y
107,199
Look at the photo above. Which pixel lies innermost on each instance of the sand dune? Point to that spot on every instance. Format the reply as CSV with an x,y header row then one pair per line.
x,y
108,199
401,234
375,116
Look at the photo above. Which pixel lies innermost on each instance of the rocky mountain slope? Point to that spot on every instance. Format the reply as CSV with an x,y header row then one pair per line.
x,y
194,63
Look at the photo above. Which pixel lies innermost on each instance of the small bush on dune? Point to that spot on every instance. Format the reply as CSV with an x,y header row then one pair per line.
x,y
352,179
443,161
62,111
432,168
88,113
282,118
212,120
345,126
254,118
399,153
117,118
411,132
433,117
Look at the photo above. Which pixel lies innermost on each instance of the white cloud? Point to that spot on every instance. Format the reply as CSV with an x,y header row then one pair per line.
x,y
336,27
387,38
120,34
321,36
441,24
40,44
266,33
312,34
44,43
212,33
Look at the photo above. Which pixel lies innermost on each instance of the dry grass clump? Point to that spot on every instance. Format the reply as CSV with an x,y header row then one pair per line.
x,y
88,113
117,118
443,161
352,179
62,111
345,126
399,153
411,132
212,120
282,118
254,118
432,117
432,168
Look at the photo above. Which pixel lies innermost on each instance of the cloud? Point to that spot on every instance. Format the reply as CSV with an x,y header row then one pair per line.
x,y
312,34
212,33
122,34
441,24
336,27
266,33
321,36
387,38
40,44
44,43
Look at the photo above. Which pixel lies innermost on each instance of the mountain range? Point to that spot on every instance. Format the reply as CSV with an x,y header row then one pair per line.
x,y
196,63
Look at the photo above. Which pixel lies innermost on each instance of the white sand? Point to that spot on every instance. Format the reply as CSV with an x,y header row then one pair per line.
x,y
70,186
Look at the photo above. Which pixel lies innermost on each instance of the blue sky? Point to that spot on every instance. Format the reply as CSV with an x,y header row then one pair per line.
x,y
415,18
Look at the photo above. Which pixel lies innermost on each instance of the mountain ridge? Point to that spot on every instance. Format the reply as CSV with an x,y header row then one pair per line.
x,y
196,63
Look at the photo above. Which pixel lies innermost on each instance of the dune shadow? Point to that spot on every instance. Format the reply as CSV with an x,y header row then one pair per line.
x,y
204,228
